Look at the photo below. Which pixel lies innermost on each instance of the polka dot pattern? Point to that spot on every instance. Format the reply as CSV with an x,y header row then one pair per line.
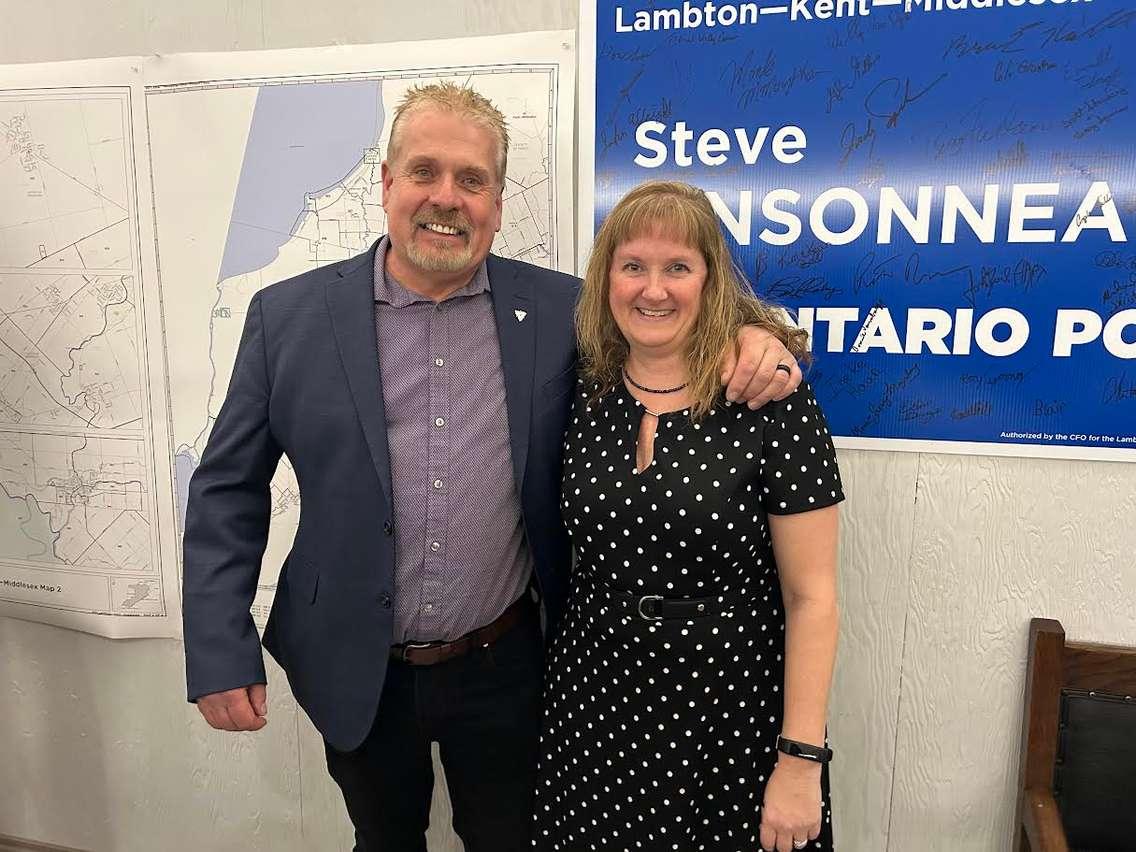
x,y
660,735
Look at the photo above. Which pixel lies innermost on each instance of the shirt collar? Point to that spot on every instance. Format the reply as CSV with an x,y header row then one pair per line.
x,y
389,292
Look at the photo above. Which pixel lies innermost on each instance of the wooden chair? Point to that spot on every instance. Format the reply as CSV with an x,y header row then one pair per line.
x,y
1077,781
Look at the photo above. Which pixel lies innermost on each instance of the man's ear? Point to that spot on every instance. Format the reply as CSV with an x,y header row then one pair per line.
x,y
388,179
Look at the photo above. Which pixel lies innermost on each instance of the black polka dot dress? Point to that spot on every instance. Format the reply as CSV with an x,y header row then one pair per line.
x,y
660,734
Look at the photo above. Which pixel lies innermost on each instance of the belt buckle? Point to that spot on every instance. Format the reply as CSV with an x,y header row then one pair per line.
x,y
644,615
406,647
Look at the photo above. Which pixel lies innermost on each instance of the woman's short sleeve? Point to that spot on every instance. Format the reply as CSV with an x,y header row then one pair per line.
x,y
798,462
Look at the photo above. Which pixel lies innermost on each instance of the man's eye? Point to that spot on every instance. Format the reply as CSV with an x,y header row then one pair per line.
x,y
421,173
472,181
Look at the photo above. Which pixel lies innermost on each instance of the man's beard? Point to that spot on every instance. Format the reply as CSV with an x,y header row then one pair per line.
x,y
440,259
433,259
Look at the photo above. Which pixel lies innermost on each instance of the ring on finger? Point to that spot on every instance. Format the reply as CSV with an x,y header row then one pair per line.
x,y
785,368
800,844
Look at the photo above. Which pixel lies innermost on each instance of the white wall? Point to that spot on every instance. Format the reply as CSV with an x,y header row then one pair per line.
x,y
945,559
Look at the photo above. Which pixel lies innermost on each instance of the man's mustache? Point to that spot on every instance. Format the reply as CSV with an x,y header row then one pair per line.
x,y
449,218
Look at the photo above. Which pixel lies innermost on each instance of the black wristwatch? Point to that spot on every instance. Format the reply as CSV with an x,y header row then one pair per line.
x,y
817,754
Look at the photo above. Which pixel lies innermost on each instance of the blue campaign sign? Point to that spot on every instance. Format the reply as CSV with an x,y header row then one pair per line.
x,y
943,192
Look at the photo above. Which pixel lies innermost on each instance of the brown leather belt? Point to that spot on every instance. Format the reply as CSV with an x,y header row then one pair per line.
x,y
432,653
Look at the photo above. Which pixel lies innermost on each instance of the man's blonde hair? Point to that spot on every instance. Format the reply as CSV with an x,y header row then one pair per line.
x,y
681,212
461,100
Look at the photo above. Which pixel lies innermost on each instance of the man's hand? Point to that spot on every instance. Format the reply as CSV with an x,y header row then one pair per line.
x,y
241,709
751,376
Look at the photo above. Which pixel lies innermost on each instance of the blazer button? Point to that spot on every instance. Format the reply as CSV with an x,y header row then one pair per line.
x,y
385,600
388,528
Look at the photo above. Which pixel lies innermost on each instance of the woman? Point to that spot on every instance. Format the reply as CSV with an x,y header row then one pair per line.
x,y
702,622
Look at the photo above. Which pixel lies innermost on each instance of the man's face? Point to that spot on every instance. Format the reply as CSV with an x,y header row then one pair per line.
x,y
442,196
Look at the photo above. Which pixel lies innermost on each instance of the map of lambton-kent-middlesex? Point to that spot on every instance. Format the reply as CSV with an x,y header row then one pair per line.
x,y
308,193
77,526
143,202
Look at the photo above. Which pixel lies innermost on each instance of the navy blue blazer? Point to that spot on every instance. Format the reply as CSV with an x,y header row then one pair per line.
x,y
306,383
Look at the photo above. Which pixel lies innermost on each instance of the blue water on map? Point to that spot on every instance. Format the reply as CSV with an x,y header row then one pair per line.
x,y
185,463
304,137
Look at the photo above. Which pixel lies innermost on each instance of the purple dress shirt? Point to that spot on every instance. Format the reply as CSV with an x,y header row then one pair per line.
x,y
461,556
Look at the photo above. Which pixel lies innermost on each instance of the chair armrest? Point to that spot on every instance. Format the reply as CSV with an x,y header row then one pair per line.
x,y
1042,822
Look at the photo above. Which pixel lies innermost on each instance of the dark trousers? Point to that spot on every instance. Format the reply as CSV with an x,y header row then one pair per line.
x,y
484,711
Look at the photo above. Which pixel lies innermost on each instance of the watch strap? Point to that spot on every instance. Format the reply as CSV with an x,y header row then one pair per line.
x,y
817,754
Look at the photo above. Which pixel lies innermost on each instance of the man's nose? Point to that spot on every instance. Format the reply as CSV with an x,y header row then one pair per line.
x,y
444,193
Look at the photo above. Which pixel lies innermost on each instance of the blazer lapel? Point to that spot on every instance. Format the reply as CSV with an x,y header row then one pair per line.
x,y
515,312
351,301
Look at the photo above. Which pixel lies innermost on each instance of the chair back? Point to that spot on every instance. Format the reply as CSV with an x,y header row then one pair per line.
x,y
1077,782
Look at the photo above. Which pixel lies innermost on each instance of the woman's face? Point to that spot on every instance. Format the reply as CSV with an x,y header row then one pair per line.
x,y
655,292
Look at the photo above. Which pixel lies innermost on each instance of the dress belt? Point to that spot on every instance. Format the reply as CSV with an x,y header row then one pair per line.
x,y
432,653
659,607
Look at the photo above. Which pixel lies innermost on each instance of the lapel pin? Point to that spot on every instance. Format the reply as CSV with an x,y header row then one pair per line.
x,y
520,315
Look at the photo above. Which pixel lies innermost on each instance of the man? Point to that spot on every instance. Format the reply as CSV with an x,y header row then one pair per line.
x,y
421,391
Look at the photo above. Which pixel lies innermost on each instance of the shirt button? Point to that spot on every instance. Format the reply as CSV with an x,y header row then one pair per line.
x,y
440,422
438,362
428,608
437,483
388,528
435,546
385,600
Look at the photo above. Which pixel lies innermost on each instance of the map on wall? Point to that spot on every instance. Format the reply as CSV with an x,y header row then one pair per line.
x,y
142,204
293,195
78,527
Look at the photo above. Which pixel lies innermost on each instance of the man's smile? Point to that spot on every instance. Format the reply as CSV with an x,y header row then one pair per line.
x,y
448,230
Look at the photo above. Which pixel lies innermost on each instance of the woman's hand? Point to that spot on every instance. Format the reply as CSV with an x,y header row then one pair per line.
x,y
790,814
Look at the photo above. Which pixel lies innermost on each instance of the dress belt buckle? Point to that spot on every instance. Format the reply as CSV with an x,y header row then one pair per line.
x,y
406,648
644,615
